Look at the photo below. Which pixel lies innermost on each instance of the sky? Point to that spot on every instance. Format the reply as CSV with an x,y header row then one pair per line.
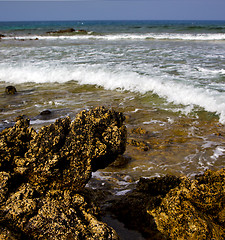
x,y
30,10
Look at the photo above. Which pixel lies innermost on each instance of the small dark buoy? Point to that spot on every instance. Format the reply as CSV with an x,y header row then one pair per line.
x,y
45,112
10,90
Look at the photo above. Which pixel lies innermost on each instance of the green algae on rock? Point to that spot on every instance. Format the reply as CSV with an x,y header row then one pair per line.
x,y
42,174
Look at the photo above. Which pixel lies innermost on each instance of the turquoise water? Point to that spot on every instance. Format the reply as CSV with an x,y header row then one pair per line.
x,y
119,26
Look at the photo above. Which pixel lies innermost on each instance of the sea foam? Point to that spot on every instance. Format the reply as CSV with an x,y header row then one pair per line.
x,y
129,36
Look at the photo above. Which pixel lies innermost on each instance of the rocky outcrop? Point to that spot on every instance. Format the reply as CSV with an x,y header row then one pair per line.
x,y
68,32
61,31
176,208
43,175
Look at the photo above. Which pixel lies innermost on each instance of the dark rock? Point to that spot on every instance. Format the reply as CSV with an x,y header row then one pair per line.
x,y
132,208
1,35
46,115
177,208
42,174
46,112
7,234
10,90
68,30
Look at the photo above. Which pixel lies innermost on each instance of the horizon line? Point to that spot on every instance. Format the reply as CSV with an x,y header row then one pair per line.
x,y
70,20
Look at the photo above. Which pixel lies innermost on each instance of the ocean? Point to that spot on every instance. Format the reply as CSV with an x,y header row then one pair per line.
x,y
167,77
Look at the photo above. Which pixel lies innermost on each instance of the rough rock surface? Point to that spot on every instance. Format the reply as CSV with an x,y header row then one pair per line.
x,y
177,208
42,175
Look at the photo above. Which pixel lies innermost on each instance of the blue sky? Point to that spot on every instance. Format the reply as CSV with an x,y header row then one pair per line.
x,y
112,10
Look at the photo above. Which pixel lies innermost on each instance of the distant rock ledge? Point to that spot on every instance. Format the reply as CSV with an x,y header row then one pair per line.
x,y
67,31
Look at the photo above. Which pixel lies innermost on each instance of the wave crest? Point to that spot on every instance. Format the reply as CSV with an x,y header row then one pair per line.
x,y
175,92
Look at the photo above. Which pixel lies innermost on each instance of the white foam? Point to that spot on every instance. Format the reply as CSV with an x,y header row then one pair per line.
x,y
39,121
211,71
123,192
112,79
219,151
130,36
154,122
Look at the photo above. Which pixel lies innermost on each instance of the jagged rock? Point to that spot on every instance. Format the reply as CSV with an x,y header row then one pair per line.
x,y
20,205
132,208
177,208
14,143
69,152
42,173
7,234
79,218
4,184
10,90
195,209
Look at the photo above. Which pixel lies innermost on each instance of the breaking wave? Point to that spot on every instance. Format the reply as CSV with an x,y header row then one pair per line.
x,y
172,91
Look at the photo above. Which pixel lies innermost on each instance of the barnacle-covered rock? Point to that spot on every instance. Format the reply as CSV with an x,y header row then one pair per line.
x,y
14,143
177,207
41,175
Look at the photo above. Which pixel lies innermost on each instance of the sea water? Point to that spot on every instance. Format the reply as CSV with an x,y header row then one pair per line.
x,y
167,77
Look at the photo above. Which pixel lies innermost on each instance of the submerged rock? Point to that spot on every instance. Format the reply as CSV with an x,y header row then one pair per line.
x,y
45,112
43,174
10,90
177,208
